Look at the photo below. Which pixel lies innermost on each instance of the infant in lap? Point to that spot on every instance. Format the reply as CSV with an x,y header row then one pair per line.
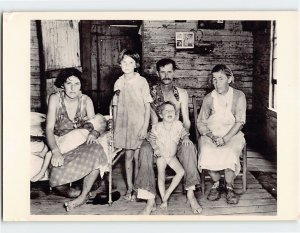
x,y
72,140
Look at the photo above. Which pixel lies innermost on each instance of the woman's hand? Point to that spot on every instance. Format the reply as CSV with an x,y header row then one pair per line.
x,y
57,159
143,133
91,139
151,136
186,142
157,154
219,141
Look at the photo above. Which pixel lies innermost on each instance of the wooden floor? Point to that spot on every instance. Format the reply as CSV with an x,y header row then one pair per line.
x,y
256,200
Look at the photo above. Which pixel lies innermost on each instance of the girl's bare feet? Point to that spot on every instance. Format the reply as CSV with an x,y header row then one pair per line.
x,y
164,205
127,195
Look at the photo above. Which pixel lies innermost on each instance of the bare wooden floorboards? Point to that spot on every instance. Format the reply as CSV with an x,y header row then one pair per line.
x,y
256,201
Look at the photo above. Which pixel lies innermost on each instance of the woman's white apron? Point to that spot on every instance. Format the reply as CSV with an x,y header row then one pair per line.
x,y
220,122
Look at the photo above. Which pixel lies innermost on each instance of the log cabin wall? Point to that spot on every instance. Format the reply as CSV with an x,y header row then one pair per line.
x,y
35,73
232,46
246,52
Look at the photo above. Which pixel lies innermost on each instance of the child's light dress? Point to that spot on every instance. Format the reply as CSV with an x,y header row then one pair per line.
x,y
132,95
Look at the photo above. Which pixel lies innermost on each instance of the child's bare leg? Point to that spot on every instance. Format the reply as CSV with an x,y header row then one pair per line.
x,y
178,169
161,170
136,161
129,171
136,170
45,166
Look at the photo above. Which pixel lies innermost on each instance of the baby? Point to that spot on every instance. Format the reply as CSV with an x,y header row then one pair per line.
x,y
164,138
72,140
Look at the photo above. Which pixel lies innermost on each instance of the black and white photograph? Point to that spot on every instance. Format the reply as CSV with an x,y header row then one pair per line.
x,y
153,117
125,123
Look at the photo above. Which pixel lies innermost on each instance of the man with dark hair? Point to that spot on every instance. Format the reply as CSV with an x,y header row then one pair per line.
x,y
145,181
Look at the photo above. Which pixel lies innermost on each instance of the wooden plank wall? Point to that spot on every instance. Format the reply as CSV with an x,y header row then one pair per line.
x,y
233,47
61,44
35,78
266,119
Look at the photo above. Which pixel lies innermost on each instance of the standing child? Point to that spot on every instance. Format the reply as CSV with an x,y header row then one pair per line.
x,y
131,111
164,139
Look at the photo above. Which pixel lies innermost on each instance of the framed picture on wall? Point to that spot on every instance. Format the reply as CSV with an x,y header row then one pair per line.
x,y
185,40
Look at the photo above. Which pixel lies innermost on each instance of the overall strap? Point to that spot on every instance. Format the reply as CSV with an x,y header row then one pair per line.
x,y
158,97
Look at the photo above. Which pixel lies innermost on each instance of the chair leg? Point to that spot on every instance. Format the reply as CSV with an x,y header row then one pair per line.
x,y
245,168
202,182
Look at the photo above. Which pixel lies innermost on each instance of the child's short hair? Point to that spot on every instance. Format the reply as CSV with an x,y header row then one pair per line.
x,y
134,55
163,105
225,69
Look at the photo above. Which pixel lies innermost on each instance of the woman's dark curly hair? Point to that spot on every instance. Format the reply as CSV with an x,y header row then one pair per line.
x,y
65,74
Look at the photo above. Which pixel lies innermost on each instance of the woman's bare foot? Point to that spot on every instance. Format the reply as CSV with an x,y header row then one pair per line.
x,y
196,208
75,203
37,177
151,206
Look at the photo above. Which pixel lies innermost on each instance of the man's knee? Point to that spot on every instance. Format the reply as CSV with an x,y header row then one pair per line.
x,y
145,158
187,151
146,148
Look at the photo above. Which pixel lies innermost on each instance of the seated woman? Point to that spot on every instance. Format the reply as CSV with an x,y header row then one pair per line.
x,y
68,142
69,109
221,118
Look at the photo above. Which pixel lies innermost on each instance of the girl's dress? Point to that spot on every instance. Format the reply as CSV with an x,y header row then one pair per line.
x,y
167,140
79,162
218,115
131,96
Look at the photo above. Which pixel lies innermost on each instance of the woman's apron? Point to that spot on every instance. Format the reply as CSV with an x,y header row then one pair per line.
x,y
220,122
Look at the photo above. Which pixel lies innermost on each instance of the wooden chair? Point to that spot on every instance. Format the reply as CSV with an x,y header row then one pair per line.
x,y
243,157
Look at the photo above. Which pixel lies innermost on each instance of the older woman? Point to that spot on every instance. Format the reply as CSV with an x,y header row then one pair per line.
x,y
222,116
69,109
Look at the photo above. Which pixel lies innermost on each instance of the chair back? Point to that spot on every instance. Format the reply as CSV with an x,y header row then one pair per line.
x,y
197,102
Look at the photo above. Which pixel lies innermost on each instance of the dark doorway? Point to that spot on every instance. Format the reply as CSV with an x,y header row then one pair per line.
x,y
101,43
